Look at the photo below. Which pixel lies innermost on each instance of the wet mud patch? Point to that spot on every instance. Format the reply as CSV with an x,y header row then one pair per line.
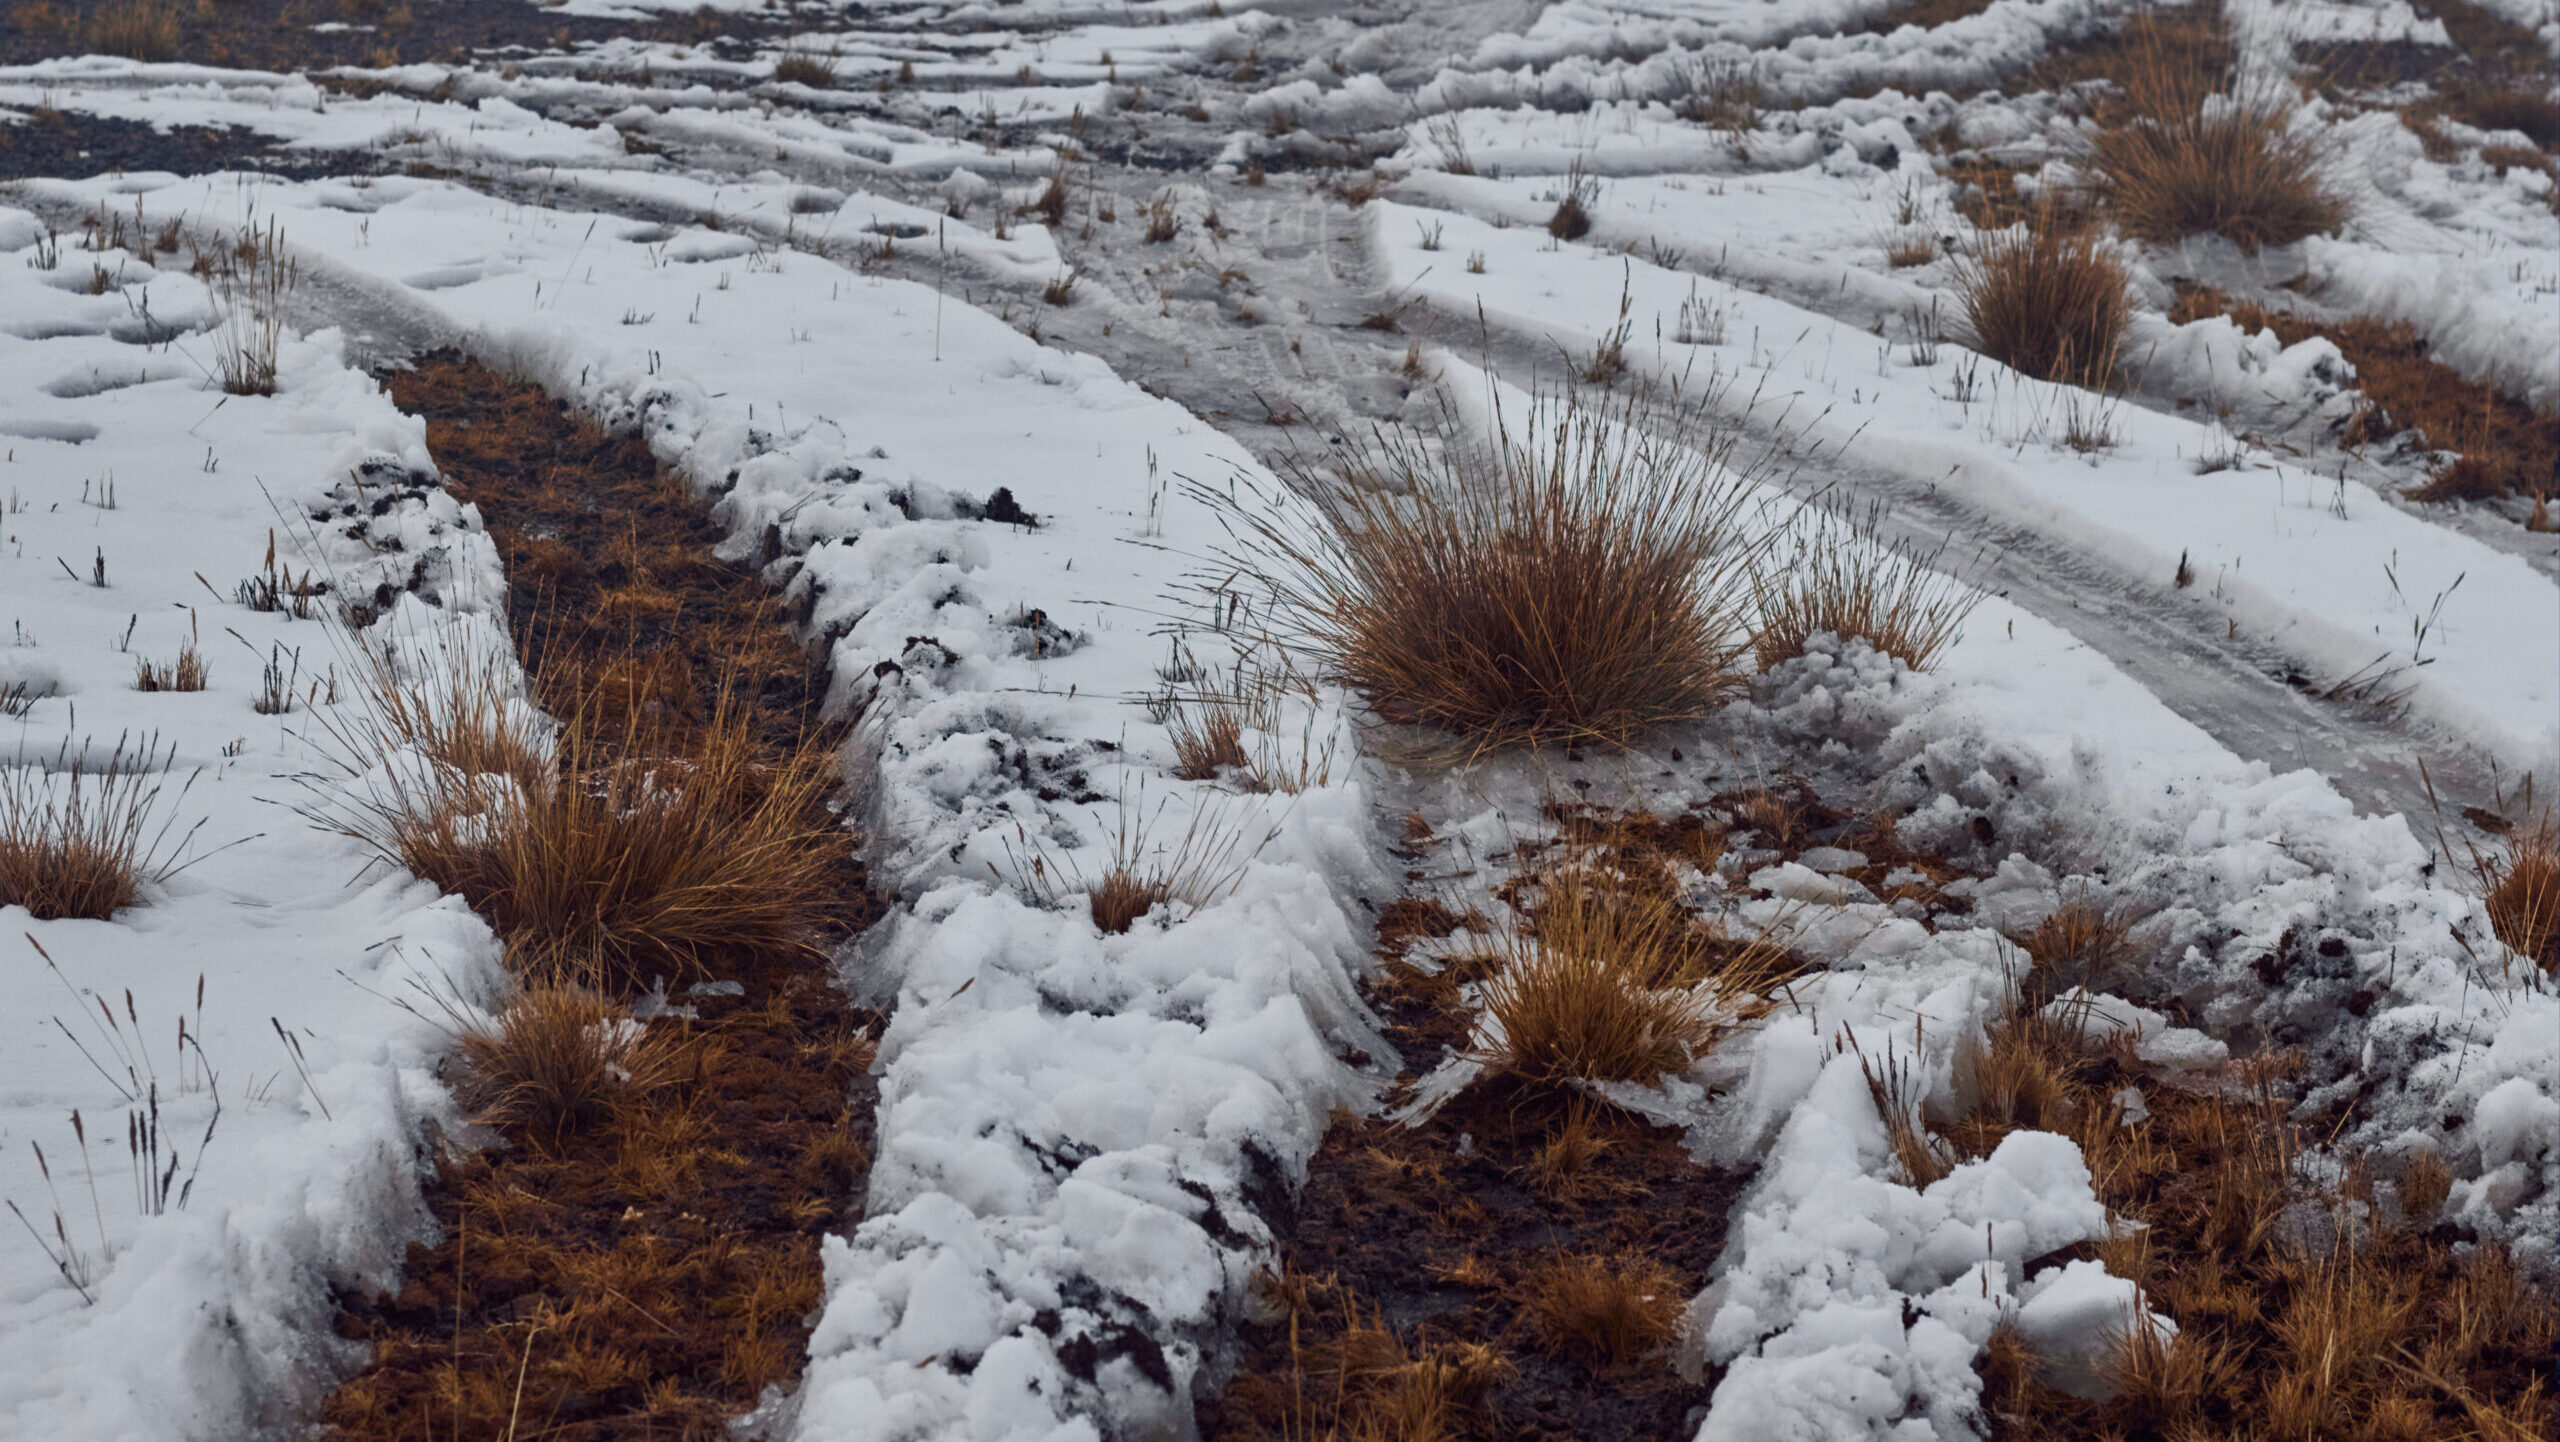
x,y
640,1258
327,33
71,146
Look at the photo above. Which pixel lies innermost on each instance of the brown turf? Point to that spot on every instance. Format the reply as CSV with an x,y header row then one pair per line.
x,y
649,1277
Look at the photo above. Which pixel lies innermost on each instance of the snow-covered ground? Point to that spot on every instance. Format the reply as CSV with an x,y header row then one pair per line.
x,y
825,309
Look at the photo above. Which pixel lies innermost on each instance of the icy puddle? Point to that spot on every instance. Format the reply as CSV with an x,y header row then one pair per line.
x,y
631,1250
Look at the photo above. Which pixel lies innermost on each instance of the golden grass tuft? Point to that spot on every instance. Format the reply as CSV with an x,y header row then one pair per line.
x,y
76,838
1838,575
1616,983
187,673
560,1059
1605,1311
603,856
1582,580
2522,891
2047,298
1122,896
2237,166
1143,869
136,29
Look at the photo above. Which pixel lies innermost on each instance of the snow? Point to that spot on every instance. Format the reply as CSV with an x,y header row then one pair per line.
x,y
210,1318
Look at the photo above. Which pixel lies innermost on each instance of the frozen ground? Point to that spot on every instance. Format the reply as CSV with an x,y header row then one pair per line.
x,y
1078,1132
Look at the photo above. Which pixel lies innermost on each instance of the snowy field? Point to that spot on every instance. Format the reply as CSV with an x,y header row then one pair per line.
x,y
987,335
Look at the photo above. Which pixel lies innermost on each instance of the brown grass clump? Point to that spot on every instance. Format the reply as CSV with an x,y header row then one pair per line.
x,y
1839,576
558,1060
1142,868
2047,298
1572,218
2522,890
2237,167
642,856
1618,983
137,29
75,834
1121,897
797,66
1356,1378
1582,581
1605,1311
187,673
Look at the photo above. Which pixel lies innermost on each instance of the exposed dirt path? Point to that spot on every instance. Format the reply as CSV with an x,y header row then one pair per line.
x,y
652,1274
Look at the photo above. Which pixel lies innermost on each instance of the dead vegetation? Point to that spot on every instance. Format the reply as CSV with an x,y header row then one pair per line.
x,y
643,852
2046,297
559,1059
798,65
1605,1311
2303,1311
186,673
1613,980
1836,574
1573,581
1572,217
2238,166
2520,885
136,29
1512,1264
77,833
2501,447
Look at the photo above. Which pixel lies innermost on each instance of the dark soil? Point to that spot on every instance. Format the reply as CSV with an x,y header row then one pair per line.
x,y
261,35
607,557
70,146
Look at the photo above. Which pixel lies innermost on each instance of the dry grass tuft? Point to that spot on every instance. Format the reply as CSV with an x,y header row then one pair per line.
x,y
1582,581
75,833
1230,725
1605,1311
799,66
1051,205
2085,941
1142,869
1617,983
1839,576
1572,218
613,858
2047,298
187,673
559,1060
1357,1380
137,29
2522,890
2237,166
1723,95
